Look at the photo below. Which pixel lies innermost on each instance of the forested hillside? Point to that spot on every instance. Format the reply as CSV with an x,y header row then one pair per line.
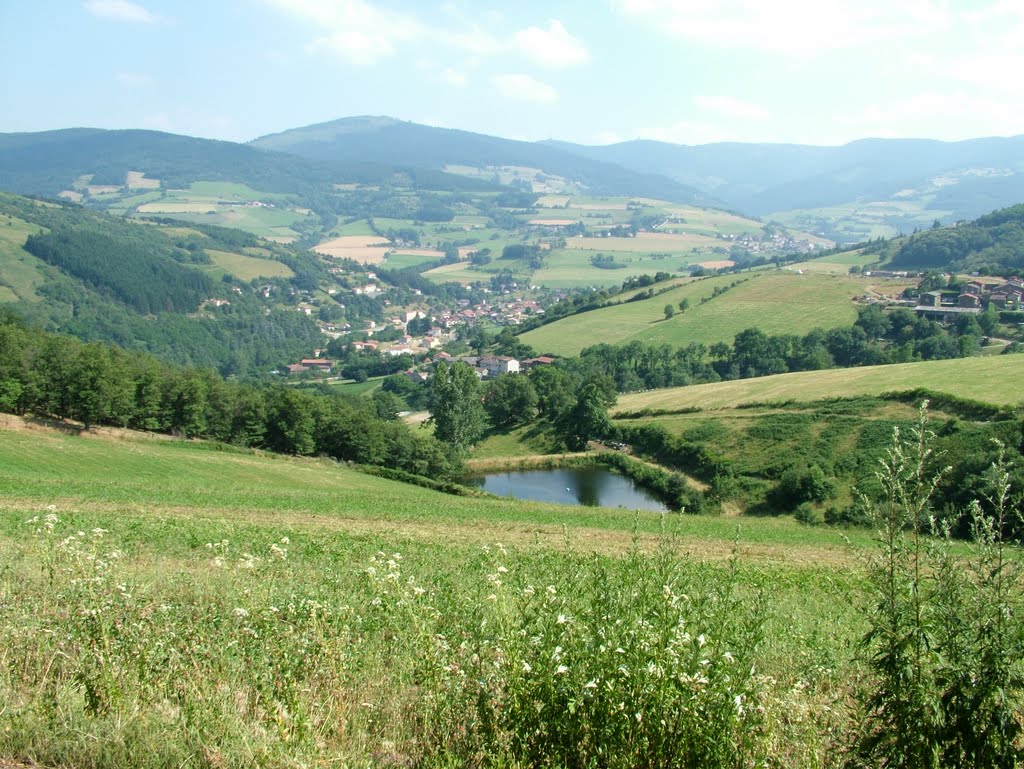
x,y
48,162
102,278
992,245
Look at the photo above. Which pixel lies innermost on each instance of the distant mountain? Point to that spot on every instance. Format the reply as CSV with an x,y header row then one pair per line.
x,y
45,163
956,180
385,140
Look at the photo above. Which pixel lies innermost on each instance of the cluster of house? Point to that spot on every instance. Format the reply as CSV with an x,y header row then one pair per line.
x,y
485,366
976,296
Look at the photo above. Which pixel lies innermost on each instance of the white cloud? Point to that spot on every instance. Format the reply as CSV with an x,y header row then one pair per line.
x,y
354,29
454,77
121,10
949,115
732,107
364,33
794,27
525,88
552,46
135,79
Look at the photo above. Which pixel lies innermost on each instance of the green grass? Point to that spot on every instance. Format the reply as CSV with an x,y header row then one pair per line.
x,y
248,267
188,605
776,302
20,272
989,379
399,261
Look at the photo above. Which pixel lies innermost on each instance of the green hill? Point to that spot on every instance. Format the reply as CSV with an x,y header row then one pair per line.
x,y
386,140
987,379
145,286
777,302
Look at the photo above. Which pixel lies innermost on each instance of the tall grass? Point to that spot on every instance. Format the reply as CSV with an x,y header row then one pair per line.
x,y
247,657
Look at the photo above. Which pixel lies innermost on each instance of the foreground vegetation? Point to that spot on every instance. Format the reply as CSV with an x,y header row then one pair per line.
x,y
166,604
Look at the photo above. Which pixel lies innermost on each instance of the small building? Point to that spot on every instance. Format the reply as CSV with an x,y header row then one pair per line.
x,y
318,364
295,368
968,300
931,299
496,365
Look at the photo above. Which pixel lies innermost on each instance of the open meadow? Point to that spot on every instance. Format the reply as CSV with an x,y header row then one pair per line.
x,y
167,602
777,302
994,379
179,603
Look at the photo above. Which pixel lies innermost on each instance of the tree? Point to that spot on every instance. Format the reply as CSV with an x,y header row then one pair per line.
x,y
510,399
684,305
669,311
587,419
455,407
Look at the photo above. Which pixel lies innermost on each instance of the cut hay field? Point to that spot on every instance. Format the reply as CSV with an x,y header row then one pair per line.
x,y
995,379
776,302
368,249
248,267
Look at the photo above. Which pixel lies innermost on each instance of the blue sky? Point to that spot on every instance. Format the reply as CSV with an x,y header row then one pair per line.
x,y
685,71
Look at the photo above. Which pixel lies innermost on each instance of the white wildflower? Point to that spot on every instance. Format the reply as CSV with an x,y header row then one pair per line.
x,y
561,670
241,613
527,668
701,640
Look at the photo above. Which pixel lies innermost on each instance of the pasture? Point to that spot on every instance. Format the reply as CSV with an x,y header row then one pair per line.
x,y
992,379
248,267
20,272
777,302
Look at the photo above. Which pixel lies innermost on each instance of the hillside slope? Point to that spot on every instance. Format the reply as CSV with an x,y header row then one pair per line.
x,y
913,177
381,139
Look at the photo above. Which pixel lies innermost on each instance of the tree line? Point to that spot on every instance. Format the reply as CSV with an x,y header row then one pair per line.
x,y
876,337
57,376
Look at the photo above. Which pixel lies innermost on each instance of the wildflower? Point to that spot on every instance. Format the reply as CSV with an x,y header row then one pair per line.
x,y
241,613
502,570
562,619
417,590
591,684
701,640
727,656
737,702
492,597
527,668
278,552
528,590
551,590
285,541
561,670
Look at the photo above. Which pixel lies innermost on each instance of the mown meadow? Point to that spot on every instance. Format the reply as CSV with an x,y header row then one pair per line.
x,y
177,603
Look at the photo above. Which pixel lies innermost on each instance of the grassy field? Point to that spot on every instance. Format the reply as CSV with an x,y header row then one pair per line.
x,y
777,302
248,267
19,271
172,603
993,379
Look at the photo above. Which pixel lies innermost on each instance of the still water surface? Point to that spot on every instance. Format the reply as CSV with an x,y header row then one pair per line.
x,y
591,486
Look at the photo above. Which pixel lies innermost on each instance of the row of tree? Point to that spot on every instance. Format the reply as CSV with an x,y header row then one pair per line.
x,y
58,376
875,338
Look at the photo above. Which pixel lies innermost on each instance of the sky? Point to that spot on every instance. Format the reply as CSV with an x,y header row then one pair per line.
x,y
820,72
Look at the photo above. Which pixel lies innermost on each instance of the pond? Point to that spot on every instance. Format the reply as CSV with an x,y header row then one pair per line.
x,y
590,486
